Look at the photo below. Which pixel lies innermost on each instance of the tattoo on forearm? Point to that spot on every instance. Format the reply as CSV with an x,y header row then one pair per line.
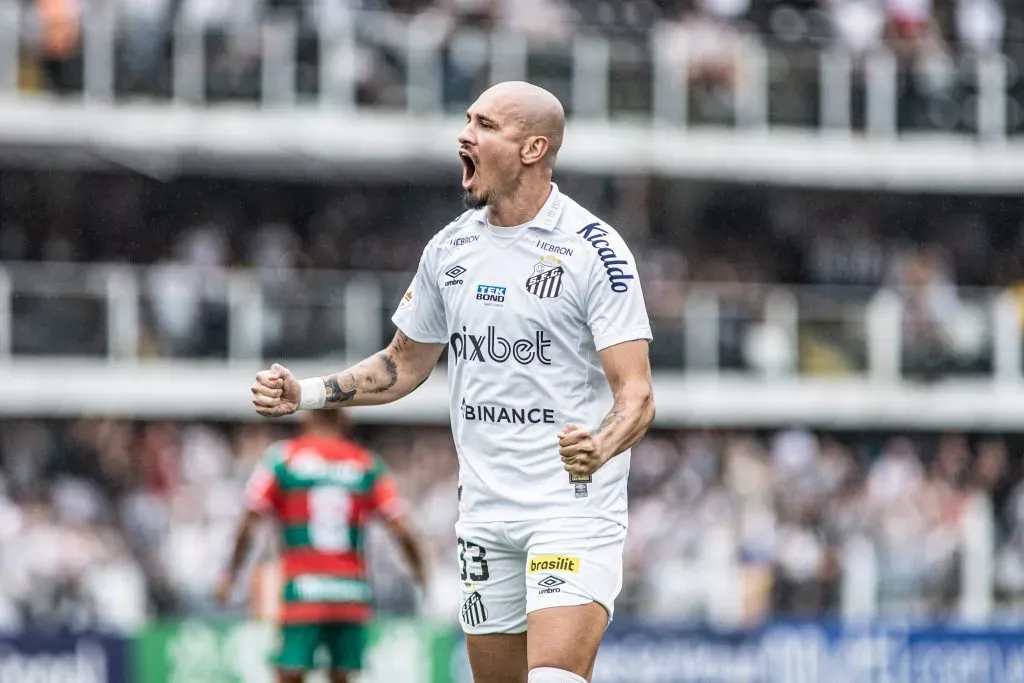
x,y
627,421
334,391
368,376
391,369
615,416
400,342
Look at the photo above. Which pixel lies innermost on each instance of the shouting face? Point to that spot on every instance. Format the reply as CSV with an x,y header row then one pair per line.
x,y
514,129
490,148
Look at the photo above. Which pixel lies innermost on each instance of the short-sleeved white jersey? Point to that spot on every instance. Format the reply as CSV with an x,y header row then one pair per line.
x,y
524,319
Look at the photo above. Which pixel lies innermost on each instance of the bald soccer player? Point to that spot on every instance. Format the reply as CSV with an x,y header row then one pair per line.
x,y
550,385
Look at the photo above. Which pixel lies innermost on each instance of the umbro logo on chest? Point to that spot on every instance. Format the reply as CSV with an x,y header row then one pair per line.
x,y
455,273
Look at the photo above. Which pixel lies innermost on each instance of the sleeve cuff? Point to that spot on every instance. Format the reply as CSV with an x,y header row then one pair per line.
x,y
613,337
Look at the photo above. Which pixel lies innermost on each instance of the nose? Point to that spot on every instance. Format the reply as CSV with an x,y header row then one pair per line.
x,y
466,136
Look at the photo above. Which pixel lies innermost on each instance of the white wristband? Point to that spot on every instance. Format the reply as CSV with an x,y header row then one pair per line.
x,y
312,394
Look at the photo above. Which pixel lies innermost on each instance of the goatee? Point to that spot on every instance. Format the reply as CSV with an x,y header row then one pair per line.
x,y
472,202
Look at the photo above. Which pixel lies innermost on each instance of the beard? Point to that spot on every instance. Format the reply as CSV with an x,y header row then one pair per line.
x,y
490,196
472,201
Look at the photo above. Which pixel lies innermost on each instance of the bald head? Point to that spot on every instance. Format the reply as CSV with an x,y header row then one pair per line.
x,y
537,112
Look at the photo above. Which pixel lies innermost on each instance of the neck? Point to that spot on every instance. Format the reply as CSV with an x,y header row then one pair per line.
x,y
321,432
522,205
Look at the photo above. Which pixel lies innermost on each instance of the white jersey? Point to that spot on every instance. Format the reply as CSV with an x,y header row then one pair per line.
x,y
524,318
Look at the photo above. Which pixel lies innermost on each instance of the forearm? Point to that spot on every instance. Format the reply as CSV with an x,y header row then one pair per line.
x,y
411,549
240,550
413,554
378,379
384,377
628,420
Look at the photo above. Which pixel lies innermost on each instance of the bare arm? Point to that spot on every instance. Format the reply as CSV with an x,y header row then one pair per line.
x,y
239,552
411,548
385,376
628,370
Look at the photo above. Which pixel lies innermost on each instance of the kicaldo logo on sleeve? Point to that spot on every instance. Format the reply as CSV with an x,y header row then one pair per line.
x,y
554,563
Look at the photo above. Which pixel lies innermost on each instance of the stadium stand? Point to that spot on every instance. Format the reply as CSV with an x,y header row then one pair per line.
x,y
754,283
148,504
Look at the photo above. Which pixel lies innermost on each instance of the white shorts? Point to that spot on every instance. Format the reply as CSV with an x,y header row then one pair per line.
x,y
509,569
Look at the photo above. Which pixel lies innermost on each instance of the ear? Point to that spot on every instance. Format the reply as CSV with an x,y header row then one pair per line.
x,y
533,150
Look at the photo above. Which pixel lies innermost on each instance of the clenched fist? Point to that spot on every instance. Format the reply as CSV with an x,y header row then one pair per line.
x,y
581,452
276,392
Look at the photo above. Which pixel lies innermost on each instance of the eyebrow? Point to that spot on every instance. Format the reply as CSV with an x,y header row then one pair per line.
x,y
482,117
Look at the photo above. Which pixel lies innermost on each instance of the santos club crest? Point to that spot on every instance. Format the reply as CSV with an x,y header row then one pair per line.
x,y
546,280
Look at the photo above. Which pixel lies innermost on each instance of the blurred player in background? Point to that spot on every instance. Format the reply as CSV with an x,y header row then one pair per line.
x,y
539,303
322,489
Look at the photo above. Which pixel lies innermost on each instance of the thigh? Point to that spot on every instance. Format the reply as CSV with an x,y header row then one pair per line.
x,y
566,637
296,650
573,575
497,657
492,575
345,644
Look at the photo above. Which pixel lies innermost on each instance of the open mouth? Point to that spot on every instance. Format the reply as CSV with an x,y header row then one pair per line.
x,y
468,169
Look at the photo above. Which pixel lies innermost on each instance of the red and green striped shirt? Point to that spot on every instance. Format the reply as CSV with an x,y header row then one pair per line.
x,y
323,491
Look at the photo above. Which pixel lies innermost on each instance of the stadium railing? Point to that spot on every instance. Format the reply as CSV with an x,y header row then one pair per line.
x,y
124,312
733,354
281,89
289,59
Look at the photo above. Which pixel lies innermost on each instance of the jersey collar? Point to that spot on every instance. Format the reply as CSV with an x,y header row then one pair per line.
x,y
546,218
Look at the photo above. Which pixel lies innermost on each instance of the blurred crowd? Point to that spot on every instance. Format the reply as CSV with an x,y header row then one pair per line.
x,y
809,515
109,522
710,40
837,250
689,230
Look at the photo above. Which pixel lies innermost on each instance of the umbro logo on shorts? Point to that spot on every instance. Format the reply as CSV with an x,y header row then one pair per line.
x,y
550,584
473,611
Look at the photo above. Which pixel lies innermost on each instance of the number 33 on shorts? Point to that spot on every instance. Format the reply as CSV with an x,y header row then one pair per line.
x,y
473,562
472,569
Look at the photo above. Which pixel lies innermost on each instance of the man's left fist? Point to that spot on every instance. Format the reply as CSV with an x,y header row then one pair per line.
x,y
581,451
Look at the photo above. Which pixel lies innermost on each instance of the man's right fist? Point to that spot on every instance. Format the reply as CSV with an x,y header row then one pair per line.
x,y
276,392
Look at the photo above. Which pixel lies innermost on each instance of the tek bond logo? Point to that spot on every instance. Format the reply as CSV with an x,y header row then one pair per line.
x,y
491,293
